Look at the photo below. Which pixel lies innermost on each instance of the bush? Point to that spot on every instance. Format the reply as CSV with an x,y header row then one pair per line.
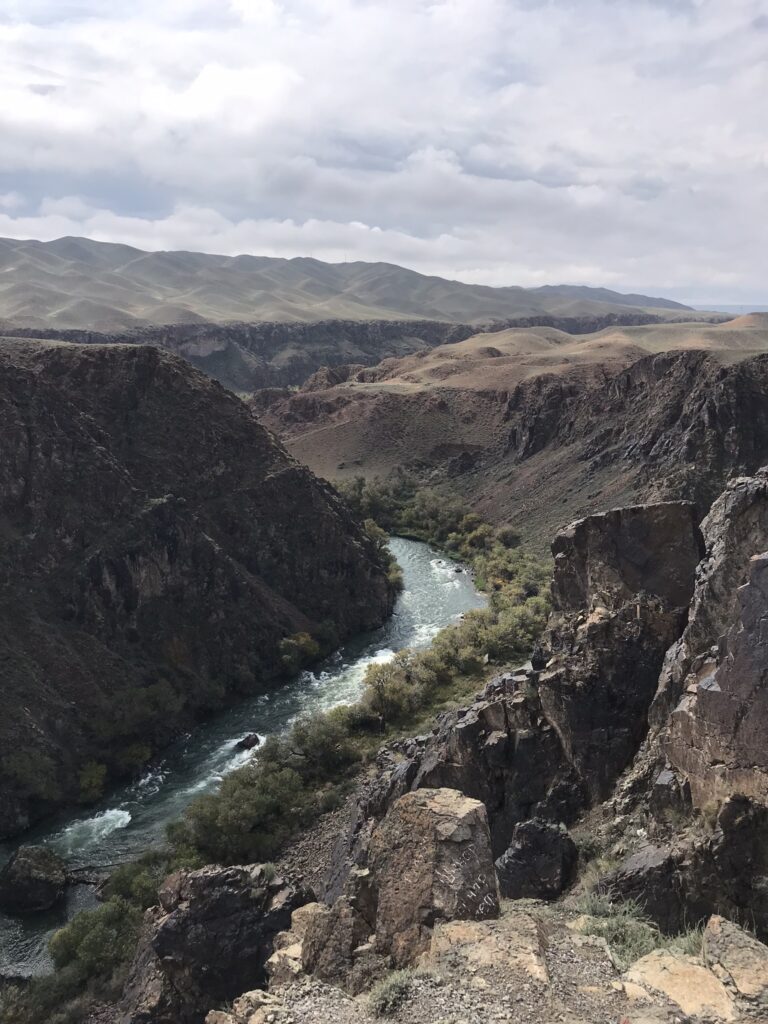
x,y
93,777
297,651
97,941
390,993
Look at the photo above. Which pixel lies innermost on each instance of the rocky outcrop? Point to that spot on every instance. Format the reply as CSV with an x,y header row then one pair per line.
x,y
428,861
547,744
717,733
725,871
34,879
539,863
208,941
149,568
710,712
734,530
618,606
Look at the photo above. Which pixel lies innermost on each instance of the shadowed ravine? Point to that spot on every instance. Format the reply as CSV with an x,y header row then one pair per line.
x,y
133,818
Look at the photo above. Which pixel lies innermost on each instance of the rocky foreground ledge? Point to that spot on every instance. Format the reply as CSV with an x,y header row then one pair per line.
x,y
616,786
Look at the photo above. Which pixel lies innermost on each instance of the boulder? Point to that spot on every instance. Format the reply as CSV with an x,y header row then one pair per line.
x,y
685,981
473,946
431,861
34,879
539,863
207,942
738,960
248,742
652,878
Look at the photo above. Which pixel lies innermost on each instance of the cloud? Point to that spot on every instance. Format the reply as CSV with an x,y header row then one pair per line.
x,y
618,142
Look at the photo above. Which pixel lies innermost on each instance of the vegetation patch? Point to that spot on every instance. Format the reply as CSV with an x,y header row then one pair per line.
x,y
390,993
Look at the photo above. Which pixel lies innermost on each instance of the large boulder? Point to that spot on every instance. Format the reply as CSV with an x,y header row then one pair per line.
x,y
208,941
34,879
428,861
431,861
539,863
739,960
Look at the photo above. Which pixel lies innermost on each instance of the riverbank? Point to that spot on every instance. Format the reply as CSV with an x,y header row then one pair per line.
x,y
133,819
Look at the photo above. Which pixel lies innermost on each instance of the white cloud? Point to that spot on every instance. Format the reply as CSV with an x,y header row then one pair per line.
x,y
619,142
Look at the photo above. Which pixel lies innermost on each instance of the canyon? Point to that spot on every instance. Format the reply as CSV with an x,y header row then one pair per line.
x,y
150,572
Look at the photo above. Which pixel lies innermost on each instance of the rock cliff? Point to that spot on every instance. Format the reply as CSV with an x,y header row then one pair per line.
x,y
156,546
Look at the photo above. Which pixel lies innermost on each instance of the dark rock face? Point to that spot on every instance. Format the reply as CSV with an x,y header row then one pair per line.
x,y
33,879
717,734
157,545
618,605
727,873
207,942
735,529
710,713
540,862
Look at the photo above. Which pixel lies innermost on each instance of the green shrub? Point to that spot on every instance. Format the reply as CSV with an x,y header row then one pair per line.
x,y
390,993
95,942
297,651
93,777
623,925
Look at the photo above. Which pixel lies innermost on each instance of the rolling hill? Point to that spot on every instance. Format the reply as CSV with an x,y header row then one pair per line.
x,y
76,283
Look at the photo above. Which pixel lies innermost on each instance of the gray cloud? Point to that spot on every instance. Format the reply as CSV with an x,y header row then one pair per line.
x,y
616,142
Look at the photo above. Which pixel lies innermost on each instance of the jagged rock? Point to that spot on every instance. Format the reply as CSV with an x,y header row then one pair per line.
x,y
651,877
255,1007
540,862
738,960
735,529
717,733
685,981
208,942
285,964
622,584
336,948
34,879
725,872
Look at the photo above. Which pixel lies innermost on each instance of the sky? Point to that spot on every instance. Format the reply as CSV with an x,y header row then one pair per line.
x,y
621,143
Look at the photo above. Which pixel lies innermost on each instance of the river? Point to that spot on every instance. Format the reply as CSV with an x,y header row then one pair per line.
x,y
133,818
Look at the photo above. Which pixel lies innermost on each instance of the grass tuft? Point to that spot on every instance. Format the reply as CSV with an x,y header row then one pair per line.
x,y
390,993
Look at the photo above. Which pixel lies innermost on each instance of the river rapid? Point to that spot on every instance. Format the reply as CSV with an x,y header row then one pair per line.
x,y
133,818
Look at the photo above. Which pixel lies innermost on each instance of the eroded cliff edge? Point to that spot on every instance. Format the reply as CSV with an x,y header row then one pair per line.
x,y
156,546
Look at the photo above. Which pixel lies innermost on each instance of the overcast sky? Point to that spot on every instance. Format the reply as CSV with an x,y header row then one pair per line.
x,y
607,142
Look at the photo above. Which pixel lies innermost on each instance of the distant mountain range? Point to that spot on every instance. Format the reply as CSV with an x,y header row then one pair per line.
x,y
75,283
